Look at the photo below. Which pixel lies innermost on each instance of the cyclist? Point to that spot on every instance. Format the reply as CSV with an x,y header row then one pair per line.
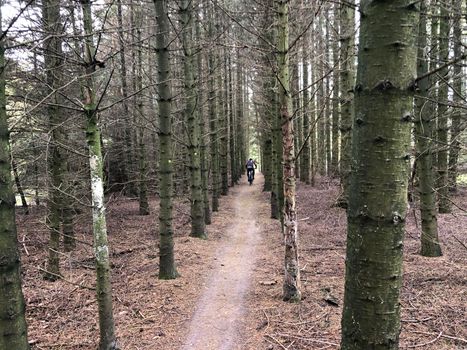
x,y
250,169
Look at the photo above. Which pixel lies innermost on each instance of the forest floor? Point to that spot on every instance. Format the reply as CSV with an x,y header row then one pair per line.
x,y
229,293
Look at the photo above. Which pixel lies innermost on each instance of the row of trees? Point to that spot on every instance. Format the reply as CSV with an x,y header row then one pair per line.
x,y
275,80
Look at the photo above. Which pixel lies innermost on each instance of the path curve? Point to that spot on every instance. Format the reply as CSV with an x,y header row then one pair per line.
x,y
217,321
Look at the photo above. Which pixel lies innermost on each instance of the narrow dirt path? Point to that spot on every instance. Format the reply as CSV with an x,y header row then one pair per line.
x,y
217,321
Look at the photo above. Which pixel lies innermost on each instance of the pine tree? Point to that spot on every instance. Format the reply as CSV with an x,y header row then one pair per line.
x,y
167,269
381,145
13,330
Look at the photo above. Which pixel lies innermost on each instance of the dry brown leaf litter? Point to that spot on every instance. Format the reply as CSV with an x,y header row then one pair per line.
x,y
153,314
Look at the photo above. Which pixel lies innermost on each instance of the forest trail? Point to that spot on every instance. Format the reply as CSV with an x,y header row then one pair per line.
x,y
217,321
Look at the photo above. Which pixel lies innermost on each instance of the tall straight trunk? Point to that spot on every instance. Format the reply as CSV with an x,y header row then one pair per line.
x,y
381,146
276,138
192,117
291,286
305,155
320,98
334,165
222,178
232,128
423,138
142,159
434,63
459,90
203,130
327,95
267,85
444,205
152,108
213,130
19,188
167,269
278,144
224,129
56,161
297,120
13,329
313,121
275,161
108,339
266,134
240,118
126,148
346,86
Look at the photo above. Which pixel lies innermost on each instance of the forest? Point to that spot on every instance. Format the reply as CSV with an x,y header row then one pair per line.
x,y
126,217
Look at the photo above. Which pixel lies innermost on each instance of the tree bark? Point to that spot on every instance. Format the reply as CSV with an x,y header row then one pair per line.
x,y
167,269
305,156
213,116
334,165
13,329
108,340
203,144
423,138
346,85
291,286
192,117
444,205
56,161
142,159
458,93
381,145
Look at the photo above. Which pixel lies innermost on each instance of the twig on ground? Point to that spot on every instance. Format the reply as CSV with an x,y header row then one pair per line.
x,y
308,339
267,318
65,280
461,243
24,245
417,321
462,340
277,341
427,343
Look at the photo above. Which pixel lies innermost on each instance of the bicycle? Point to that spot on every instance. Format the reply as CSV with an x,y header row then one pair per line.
x,y
250,177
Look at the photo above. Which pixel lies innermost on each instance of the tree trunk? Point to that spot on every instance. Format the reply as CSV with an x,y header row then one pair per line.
x,y
213,126
143,166
233,129
240,119
13,329
320,98
458,93
327,94
108,339
381,146
346,85
224,129
305,155
291,287
423,137
444,205
334,166
167,269
56,161
126,148
203,131
192,117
